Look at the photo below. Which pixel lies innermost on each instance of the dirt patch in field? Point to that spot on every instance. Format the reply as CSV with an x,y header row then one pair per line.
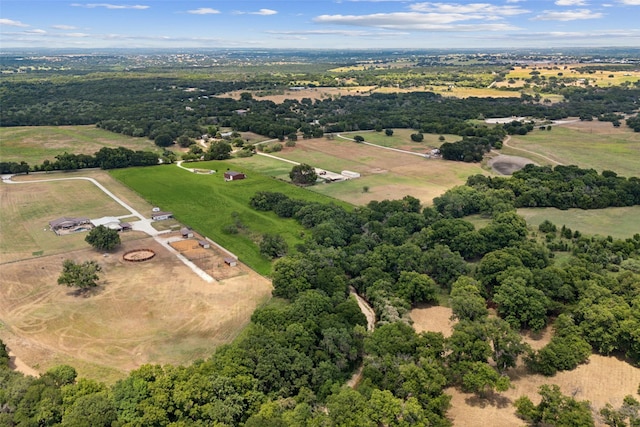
x,y
434,319
602,380
210,260
506,165
158,311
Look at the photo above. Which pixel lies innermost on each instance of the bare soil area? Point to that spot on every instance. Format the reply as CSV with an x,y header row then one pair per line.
x,y
602,380
210,260
506,165
156,311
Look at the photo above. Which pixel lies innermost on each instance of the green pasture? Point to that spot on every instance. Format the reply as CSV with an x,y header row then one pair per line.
x,y
401,138
208,204
34,144
618,151
616,222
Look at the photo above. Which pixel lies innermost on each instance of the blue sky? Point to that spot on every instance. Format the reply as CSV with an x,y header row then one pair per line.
x,y
340,24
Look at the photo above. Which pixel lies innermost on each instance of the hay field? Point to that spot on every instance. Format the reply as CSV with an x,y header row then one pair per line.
x,y
157,311
596,145
387,174
34,144
602,380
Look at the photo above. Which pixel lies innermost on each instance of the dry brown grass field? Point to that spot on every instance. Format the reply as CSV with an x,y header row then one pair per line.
x,y
157,311
316,93
602,380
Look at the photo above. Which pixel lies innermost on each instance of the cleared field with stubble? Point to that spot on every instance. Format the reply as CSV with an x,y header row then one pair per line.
x,y
594,144
602,380
34,144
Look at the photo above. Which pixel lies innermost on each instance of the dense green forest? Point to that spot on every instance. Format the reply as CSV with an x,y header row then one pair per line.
x,y
290,365
161,105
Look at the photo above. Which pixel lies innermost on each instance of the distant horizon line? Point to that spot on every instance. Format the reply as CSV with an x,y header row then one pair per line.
x,y
323,49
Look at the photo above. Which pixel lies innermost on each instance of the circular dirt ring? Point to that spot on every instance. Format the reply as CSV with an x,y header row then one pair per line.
x,y
138,255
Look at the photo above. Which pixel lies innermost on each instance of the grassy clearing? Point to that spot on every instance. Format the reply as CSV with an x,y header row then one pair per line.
x,y
34,144
401,138
208,204
615,222
387,174
28,208
596,145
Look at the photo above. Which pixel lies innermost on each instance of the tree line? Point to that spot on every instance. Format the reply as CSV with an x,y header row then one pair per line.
x,y
105,158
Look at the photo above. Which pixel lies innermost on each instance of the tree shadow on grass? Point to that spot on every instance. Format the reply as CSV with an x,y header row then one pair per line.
x,y
488,399
86,292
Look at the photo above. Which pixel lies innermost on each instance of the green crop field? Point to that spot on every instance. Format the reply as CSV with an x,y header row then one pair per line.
x,y
208,204
596,145
616,222
34,144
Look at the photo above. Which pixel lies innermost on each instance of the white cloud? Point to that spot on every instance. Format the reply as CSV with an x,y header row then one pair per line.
x,y
476,8
36,32
568,15
204,11
630,2
64,27
110,6
413,21
12,23
515,1
345,33
263,12
571,3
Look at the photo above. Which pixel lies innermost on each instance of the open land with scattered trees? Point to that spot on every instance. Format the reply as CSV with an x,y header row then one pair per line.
x,y
491,300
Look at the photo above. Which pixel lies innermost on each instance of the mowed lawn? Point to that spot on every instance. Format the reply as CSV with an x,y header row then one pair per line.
x,y
596,145
208,204
35,144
